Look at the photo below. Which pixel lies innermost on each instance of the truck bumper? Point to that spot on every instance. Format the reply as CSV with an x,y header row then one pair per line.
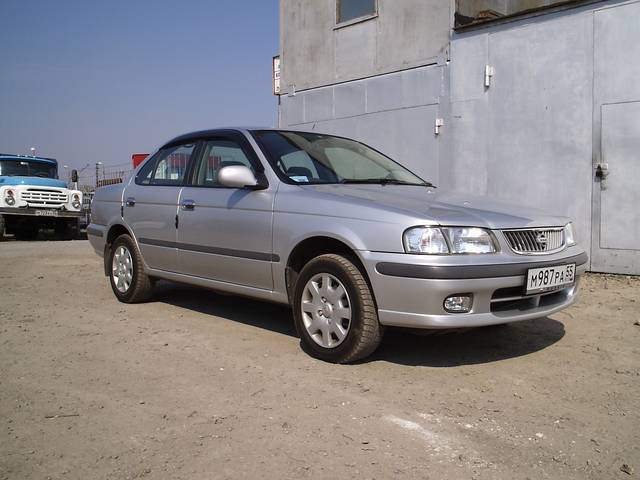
x,y
40,212
412,295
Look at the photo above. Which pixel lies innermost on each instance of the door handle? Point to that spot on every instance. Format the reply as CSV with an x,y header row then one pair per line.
x,y
188,205
602,170
130,202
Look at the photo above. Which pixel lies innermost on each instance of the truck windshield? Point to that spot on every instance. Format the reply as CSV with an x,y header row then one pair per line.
x,y
26,168
312,158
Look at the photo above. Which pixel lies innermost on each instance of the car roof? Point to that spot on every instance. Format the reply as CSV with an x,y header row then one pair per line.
x,y
200,134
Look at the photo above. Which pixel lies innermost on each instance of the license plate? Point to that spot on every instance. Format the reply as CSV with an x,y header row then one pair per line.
x,y
549,278
46,213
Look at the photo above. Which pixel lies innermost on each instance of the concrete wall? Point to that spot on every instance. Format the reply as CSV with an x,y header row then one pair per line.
x,y
315,52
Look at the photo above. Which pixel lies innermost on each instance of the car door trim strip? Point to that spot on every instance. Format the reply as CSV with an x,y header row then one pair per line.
x,y
227,252
465,272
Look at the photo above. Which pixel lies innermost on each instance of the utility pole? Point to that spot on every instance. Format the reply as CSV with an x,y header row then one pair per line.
x,y
97,172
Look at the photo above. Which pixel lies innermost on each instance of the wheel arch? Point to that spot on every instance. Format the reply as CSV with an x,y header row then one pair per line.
x,y
114,232
311,247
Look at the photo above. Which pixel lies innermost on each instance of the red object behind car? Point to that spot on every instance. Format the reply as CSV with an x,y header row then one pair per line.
x,y
138,158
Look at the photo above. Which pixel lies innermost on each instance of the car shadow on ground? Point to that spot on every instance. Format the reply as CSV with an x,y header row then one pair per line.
x,y
265,315
400,346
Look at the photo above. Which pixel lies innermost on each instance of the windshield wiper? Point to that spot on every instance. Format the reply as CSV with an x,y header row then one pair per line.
x,y
385,181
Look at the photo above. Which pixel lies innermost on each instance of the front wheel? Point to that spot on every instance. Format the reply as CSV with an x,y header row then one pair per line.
x,y
128,279
334,311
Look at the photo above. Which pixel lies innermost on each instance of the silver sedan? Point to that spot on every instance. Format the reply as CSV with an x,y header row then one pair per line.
x,y
352,240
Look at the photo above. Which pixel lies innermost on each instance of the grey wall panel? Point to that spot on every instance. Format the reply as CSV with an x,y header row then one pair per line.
x,y
425,32
469,56
291,110
350,99
355,51
422,86
318,104
315,53
466,165
306,50
384,92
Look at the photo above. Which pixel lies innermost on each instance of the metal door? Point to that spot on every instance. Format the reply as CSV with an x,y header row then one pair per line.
x,y
224,234
615,243
151,204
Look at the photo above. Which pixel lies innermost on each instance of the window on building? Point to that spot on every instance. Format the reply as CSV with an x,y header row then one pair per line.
x,y
471,12
353,9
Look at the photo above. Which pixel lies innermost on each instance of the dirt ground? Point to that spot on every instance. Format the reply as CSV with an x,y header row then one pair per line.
x,y
197,385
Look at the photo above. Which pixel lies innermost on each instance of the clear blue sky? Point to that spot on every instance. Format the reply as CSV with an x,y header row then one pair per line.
x,y
86,81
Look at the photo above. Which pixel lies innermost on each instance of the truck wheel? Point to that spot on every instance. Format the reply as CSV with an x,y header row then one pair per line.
x,y
128,279
2,226
27,232
334,311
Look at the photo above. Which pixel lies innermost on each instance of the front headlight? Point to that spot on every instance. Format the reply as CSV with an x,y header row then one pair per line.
x,y
9,197
457,240
425,240
75,201
569,235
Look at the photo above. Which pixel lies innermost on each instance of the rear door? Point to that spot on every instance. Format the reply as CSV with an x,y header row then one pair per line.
x,y
224,233
151,203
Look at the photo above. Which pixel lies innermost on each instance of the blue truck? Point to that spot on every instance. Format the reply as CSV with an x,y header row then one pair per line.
x,y
32,197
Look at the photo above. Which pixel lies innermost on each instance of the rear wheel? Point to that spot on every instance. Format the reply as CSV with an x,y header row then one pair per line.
x,y
129,282
334,311
2,228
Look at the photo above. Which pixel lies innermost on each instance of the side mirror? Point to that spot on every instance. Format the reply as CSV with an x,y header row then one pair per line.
x,y
238,176
74,176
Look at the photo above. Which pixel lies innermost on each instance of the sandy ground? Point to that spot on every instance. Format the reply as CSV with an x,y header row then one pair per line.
x,y
196,385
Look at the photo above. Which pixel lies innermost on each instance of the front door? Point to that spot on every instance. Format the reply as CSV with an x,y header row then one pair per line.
x,y
224,234
615,245
150,205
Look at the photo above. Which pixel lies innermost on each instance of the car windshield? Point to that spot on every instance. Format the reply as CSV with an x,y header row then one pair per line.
x,y
25,168
312,158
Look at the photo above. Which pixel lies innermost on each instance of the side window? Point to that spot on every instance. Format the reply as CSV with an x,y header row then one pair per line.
x,y
144,174
171,165
218,154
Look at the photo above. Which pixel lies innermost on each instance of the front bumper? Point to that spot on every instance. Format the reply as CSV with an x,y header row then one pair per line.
x,y
38,212
410,290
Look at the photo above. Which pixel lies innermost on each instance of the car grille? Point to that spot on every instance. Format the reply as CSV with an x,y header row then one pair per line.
x,y
43,198
535,240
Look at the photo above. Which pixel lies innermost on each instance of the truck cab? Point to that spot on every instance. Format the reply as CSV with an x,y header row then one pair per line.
x,y
33,197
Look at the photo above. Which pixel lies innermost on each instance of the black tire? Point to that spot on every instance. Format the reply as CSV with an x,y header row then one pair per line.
x,y
365,332
140,288
27,232
2,227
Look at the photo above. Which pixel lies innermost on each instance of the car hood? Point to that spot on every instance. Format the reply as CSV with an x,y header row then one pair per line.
x,y
35,181
435,206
